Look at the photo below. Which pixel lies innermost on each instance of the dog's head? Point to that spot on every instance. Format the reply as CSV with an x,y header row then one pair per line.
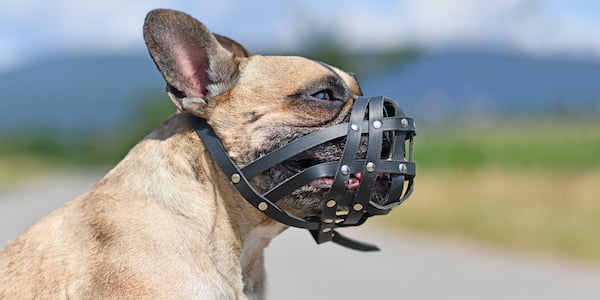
x,y
257,104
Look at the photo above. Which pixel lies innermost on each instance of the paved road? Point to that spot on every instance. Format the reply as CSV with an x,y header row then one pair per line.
x,y
409,267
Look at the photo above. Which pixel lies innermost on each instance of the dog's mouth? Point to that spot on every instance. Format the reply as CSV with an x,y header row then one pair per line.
x,y
322,178
322,185
297,166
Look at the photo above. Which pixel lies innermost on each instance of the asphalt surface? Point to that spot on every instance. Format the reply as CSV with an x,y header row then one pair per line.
x,y
408,267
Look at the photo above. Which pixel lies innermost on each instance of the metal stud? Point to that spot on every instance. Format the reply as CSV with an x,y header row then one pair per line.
x,y
328,221
345,169
235,178
403,168
404,123
370,167
331,203
341,213
354,127
377,124
358,207
263,206
326,229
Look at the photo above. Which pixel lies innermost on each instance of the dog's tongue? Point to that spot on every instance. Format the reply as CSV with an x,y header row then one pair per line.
x,y
354,181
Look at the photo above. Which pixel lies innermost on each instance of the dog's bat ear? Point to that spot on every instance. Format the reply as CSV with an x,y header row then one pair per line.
x,y
231,45
194,64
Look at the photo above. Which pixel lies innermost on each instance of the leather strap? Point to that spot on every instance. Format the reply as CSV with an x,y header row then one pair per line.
x,y
216,150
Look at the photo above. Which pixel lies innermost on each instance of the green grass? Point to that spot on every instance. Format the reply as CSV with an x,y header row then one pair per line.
x,y
547,211
14,170
543,144
530,185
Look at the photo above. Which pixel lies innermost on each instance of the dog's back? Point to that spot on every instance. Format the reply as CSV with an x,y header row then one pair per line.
x,y
134,235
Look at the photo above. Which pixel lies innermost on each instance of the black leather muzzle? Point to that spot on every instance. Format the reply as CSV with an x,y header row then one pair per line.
x,y
364,184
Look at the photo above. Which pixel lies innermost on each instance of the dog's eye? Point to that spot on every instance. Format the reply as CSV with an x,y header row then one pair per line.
x,y
324,95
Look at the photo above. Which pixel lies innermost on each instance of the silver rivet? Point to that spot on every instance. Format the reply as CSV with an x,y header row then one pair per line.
x,y
328,221
341,213
345,170
357,207
404,123
235,178
377,124
331,203
354,127
263,206
370,167
326,229
403,168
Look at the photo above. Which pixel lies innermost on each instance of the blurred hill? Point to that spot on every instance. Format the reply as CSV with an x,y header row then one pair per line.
x,y
91,93
76,93
482,85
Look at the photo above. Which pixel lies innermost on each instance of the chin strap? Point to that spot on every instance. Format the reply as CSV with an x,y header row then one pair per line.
x,y
214,146
347,242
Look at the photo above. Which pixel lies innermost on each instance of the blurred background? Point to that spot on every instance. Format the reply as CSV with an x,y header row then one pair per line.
x,y
506,95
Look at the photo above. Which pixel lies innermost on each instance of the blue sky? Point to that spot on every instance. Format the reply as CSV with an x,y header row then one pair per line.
x,y
34,29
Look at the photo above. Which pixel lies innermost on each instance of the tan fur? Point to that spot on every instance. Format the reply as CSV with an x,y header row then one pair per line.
x,y
165,222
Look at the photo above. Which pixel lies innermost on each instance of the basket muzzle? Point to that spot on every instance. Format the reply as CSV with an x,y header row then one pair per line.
x,y
364,183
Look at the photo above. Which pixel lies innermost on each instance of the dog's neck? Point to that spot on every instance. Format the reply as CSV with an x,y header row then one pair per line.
x,y
252,260
200,199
